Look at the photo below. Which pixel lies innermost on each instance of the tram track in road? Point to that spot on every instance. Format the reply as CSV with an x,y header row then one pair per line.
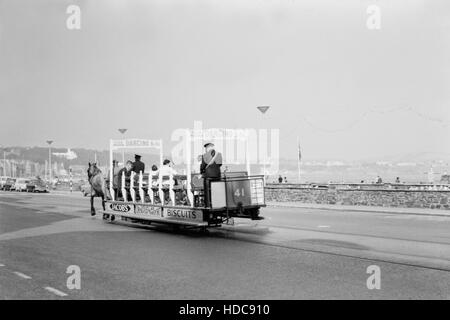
x,y
343,255
329,231
231,235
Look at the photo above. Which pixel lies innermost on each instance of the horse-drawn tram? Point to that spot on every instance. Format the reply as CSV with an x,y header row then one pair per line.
x,y
185,200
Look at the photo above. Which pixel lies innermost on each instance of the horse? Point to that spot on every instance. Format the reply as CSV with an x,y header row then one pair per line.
x,y
98,185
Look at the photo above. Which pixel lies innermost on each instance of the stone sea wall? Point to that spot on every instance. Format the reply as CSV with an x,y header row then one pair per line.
x,y
407,196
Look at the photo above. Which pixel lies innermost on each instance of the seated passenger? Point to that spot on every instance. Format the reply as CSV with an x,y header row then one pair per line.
x,y
115,182
127,171
167,170
154,173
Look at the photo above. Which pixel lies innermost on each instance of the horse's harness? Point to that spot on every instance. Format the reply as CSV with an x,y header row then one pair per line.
x,y
90,176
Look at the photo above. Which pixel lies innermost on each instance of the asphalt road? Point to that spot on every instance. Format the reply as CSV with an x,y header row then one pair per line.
x,y
292,254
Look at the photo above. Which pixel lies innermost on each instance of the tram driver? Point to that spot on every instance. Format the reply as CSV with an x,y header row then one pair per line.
x,y
210,169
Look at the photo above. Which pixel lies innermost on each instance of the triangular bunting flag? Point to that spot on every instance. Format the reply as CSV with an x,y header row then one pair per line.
x,y
263,109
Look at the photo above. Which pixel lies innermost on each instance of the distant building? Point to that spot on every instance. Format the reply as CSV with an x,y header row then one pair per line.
x,y
445,178
383,163
334,163
406,164
28,168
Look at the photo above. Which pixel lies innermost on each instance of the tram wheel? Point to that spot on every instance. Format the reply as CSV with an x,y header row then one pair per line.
x,y
254,214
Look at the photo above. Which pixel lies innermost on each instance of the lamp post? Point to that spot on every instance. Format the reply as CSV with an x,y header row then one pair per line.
x,y
4,160
49,142
70,179
122,131
299,158
263,110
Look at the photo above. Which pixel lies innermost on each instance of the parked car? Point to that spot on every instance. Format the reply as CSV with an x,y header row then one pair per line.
x,y
36,185
2,181
85,189
21,184
9,184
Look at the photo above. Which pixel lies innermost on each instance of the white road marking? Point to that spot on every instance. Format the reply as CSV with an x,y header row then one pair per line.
x,y
56,291
323,226
2,265
22,275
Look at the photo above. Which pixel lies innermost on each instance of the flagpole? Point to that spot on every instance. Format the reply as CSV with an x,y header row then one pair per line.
x,y
298,158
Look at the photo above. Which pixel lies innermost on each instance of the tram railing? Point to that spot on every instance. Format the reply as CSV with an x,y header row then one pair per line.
x,y
136,188
238,189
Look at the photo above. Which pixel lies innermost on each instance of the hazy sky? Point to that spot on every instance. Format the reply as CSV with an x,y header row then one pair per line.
x,y
154,66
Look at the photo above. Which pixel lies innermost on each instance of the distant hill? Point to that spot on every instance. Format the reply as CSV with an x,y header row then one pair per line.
x,y
419,157
40,155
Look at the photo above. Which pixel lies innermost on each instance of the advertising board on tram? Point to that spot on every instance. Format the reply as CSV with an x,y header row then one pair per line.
x,y
156,212
148,211
183,214
124,208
